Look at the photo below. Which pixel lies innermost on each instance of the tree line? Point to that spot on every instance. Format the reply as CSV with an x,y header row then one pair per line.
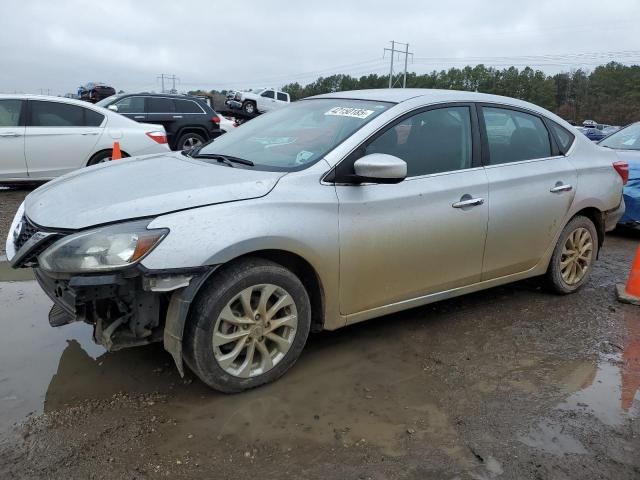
x,y
609,94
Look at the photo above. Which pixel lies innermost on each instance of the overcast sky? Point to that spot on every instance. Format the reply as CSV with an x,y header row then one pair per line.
x,y
58,45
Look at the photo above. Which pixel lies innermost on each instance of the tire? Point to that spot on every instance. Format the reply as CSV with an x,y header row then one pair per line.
x,y
221,299
189,140
101,157
581,233
249,108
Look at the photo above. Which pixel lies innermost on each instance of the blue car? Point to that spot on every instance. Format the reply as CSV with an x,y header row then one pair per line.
x,y
592,133
626,142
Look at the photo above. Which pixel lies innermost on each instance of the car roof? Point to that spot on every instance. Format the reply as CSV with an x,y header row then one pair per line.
x,y
50,98
399,95
150,94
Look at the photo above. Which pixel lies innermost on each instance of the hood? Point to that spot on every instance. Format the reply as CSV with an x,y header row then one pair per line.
x,y
141,187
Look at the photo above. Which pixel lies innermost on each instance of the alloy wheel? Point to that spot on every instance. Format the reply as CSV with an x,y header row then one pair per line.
x,y
191,142
255,330
576,256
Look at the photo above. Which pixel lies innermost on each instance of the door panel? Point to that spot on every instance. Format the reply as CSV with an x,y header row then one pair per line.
x,y
56,140
162,111
524,215
268,100
402,241
12,161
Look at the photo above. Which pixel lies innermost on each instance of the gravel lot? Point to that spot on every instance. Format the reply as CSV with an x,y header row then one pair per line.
x,y
510,383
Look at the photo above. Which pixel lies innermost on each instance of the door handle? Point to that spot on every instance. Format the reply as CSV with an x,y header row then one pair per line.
x,y
177,116
560,187
467,201
10,134
138,116
90,133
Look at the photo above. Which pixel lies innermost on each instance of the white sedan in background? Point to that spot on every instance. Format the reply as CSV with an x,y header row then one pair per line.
x,y
44,137
226,124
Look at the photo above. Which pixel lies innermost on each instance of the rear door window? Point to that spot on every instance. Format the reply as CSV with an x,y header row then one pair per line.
x,y
187,106
160,105
282,97
92,118
10,111
515,136
55,114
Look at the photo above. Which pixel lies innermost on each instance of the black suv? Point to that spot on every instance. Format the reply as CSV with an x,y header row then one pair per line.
x,y
188,121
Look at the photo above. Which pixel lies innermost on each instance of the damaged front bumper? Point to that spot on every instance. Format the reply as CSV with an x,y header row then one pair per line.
x,y
128,308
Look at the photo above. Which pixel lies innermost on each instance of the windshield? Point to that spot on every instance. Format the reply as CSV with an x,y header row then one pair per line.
x,y
296,136
626,139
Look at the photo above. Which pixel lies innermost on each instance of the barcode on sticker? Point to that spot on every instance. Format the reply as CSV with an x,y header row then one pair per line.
x,y
349,112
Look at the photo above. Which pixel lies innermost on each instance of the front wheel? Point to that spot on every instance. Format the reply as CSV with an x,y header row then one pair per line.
x,y
572,260
249,108
248,326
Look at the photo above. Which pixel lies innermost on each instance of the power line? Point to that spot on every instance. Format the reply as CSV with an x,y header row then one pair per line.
x,y
171,77
406,54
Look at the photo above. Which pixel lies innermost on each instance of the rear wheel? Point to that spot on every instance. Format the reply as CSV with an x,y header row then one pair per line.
x,y
248,326
190,140
572,261
101,157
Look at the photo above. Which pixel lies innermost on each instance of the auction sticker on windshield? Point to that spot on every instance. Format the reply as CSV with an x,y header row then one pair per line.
x,y
349,112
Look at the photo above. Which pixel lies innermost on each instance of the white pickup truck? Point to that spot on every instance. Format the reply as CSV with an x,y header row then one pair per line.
x,y
259,101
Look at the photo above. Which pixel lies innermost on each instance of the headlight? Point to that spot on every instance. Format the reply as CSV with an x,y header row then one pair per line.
x,y
106,248
238,96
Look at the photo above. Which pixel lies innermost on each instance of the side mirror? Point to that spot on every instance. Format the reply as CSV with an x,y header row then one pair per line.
x,y
113,107
379,168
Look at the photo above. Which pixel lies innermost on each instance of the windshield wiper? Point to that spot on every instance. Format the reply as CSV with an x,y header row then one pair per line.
x,y
223,158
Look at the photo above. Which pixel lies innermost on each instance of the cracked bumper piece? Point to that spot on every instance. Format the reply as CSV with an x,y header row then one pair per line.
x,y
126,309
129,308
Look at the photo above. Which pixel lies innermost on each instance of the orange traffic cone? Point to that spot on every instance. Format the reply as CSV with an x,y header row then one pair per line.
x,y
630,293
116,154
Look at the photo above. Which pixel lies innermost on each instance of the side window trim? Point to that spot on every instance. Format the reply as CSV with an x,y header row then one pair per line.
x,y
486,160
345,166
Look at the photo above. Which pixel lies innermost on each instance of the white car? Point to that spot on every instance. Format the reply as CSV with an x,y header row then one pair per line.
x,y
259,101
226,124
44,137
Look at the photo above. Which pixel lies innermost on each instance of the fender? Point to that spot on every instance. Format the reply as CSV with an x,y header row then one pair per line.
x,y
177,316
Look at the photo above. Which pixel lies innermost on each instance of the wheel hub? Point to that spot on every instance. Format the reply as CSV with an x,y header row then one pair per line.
x,y
576,256
255,330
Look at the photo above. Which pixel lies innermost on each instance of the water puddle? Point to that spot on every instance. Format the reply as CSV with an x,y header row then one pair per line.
x,y
608,391
30,348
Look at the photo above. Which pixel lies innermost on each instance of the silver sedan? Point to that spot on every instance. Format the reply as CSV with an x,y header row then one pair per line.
x,y
334,210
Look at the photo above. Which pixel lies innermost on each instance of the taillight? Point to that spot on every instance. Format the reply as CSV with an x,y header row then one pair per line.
x,y
215,119
623,170
158,137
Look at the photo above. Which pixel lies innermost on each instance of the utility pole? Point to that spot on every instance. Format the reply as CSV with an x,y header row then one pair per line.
x,y
406,54
393,50
171,77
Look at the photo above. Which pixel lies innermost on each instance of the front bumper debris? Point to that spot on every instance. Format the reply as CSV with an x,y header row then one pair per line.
x,y
126,309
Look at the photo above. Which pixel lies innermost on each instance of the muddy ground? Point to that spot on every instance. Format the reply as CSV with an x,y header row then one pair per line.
x,y
510,383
